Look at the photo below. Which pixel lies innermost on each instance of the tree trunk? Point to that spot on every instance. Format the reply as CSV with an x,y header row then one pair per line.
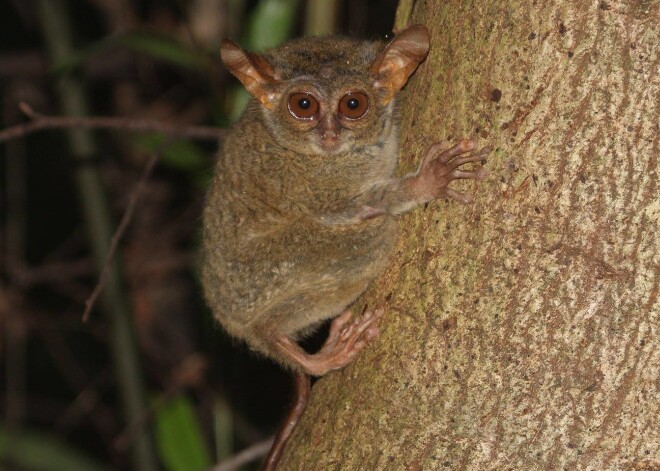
x,y
521,332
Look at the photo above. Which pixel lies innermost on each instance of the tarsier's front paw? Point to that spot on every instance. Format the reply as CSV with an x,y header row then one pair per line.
x,y
441,166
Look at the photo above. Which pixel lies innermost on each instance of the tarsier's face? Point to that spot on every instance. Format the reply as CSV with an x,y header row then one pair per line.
x,y
328,95
329,116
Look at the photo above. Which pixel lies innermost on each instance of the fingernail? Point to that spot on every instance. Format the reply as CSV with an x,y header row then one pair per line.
x,y
483,173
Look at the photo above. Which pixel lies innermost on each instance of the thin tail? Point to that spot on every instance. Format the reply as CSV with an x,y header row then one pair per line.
x,y
302,392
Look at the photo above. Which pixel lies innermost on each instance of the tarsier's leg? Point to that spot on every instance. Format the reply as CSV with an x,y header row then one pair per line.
x,y
346,339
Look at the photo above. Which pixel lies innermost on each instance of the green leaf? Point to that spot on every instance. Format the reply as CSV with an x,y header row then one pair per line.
x,y
39,451
179,154
270,24
239,100
159,46
179,439
223,425
164,48
77,58
182,155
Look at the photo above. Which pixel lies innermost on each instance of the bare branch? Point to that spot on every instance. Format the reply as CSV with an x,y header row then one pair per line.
x,y
39,122
245,456
116,237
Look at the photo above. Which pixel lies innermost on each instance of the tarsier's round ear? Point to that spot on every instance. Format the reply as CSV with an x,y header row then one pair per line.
x,y
255,73
396,63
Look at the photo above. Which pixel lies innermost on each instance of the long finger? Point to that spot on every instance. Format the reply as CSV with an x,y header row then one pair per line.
x,y
434,150
476,157
458,196
479,174
463,146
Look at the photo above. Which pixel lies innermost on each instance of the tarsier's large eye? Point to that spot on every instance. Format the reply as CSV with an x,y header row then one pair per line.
x,y
354,105
303,105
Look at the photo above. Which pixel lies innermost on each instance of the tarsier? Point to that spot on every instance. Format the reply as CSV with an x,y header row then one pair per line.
x,y
300,216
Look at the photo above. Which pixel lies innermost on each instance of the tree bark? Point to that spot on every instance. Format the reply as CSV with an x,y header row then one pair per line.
x,y
522,331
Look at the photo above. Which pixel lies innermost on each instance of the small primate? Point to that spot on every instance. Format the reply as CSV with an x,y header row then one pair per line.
x,y
300,216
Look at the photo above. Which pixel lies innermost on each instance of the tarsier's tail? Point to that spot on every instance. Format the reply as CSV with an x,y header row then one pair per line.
x,y
302,392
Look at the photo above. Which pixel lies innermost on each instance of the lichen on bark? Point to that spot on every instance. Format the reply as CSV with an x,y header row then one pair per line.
x,y
522,331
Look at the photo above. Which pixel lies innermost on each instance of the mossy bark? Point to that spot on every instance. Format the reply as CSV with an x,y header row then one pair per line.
x,y
522,331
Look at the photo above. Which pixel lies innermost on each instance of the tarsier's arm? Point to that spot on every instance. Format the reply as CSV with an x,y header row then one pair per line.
x,y
440,166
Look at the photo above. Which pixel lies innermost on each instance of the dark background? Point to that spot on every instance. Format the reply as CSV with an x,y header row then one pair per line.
x,y
148,60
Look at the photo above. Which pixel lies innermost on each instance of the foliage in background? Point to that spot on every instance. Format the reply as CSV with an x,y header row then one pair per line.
x,y
43,452
153,60
179,437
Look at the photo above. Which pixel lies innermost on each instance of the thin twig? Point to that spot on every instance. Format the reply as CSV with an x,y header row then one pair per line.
x,y
116,237
40,122
251,453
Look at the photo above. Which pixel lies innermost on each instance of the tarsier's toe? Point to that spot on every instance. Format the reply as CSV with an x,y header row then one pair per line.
x,y
347,338
353,330
372,333
338,327
361,331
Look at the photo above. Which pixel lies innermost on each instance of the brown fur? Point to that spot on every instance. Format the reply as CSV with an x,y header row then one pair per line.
x,y
295,228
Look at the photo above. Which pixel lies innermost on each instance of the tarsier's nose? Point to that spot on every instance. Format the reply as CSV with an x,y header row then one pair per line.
x,y
329,131
330,135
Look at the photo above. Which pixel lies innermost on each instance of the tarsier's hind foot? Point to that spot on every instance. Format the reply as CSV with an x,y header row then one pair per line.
x,y
346,339
441,166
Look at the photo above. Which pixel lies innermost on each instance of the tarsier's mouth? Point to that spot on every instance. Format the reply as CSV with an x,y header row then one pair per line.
x,y
330,149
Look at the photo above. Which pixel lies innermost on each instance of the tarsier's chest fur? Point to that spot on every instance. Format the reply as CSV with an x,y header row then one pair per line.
x,y
267,251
